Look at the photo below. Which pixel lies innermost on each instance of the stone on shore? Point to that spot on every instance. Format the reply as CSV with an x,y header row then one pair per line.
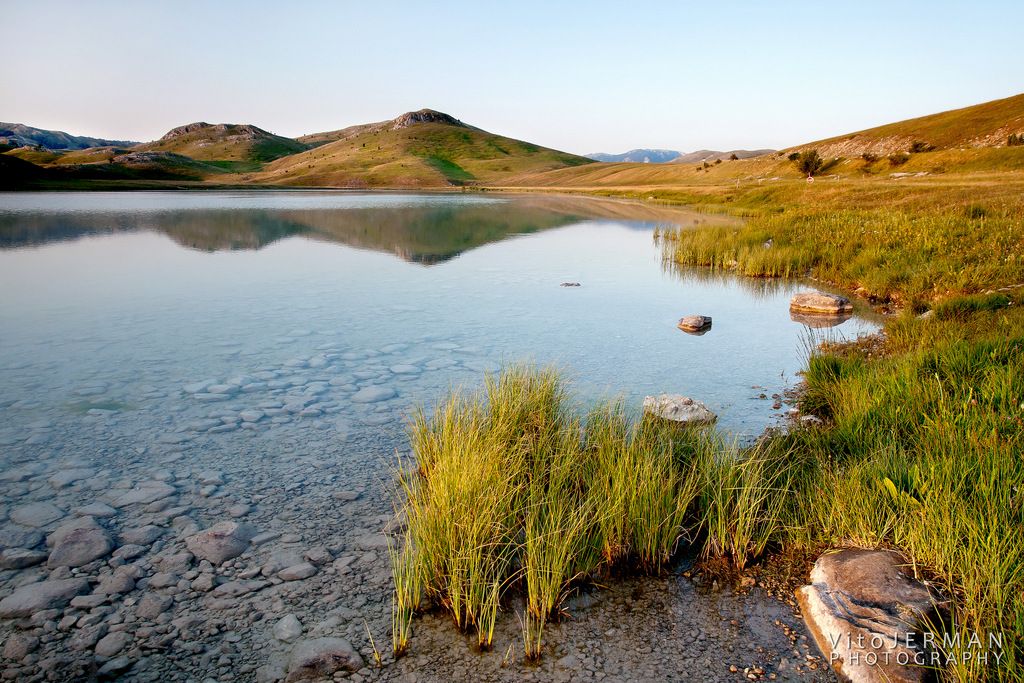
x,y
866,614
694,324
288,629
36,597
320,657
681,409
819,303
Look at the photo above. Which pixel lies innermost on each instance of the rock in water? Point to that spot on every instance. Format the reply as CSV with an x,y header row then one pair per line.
x,y
320,657
681,409
221,542
866,613
80,547
35,597
695,323
819,303
373,394
36,514
19,558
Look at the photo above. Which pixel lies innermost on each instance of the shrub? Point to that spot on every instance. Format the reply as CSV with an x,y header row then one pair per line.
x,y
869,157
1015,140
898,158
918,146
812,163
793,156
733,157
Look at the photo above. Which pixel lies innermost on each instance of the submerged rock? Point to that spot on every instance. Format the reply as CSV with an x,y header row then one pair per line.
x,y
221,542
819,303
79,547
866,615
695,324
320,658
373,394
36,514
19,558
676,408
35,597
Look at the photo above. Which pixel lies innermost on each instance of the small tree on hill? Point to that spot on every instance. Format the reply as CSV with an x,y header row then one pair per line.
x,y
1015,140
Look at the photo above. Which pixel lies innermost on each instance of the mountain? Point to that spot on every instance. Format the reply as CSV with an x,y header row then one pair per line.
x,y
224,142
424,148
702,155
20,135
981,125
640,156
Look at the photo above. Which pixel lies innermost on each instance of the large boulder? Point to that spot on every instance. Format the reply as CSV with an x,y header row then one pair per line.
x,y
36,597
319,658
695,324
867,614
819,303
680,409
221,542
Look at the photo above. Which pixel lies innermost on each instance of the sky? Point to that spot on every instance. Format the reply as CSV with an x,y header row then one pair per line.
x,y
578,76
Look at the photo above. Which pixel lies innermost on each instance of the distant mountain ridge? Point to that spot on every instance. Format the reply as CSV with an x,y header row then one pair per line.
x,y
671,156
710,155
637,156
20,135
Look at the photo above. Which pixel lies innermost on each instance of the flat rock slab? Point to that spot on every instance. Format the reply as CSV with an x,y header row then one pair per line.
x,y
680,409
36,514
19,558
819,303
866,614
144,494
319,658
36,597
695,324
80,547
373,394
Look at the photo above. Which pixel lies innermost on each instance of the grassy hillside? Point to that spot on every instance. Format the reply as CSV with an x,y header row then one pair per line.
x,y
232,146
419,149
980,125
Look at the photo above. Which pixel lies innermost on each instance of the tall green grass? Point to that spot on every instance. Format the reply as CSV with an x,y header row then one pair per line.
x,y
516,495
887,254
925,454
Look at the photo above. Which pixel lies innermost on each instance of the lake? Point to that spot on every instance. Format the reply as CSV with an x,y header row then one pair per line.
x,y
169,360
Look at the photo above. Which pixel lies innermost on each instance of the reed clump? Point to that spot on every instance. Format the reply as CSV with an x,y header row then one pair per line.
x,y
515,496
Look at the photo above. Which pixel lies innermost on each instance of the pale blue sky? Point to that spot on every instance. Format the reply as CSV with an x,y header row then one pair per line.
x,y
583,77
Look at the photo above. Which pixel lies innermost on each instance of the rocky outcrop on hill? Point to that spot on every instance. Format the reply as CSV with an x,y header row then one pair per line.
x,y
424,116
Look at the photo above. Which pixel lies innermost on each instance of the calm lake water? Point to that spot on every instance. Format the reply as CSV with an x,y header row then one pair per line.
x,y
171,361
118,301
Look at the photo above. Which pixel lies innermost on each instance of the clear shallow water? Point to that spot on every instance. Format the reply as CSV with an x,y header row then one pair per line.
x,y
169,361
117,301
